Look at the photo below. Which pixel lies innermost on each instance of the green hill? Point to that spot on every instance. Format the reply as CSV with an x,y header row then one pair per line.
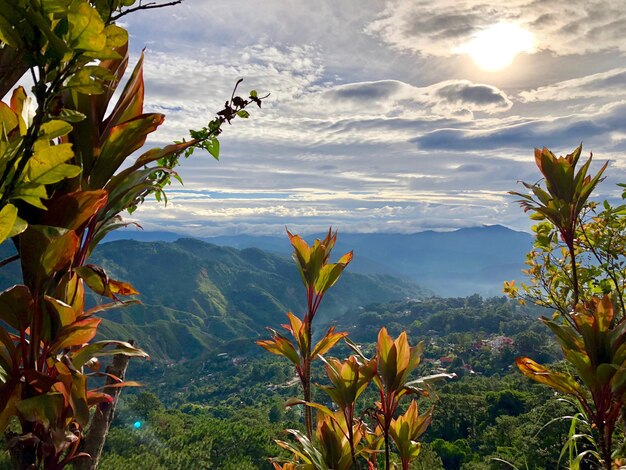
x,y
197,296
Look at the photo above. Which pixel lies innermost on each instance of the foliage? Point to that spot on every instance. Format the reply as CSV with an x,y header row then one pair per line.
x,y
585,285
65,180
318,275
341,436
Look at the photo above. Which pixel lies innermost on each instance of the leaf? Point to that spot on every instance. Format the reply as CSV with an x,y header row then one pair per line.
x,y
47,165
129,383
74,210
16,307
387,356
157,154
242,113
9,405
90,80
130,103
85,28
8,119
556,380
44,409
98,280
32,193
76,334
119,143
95,398
213,147
327,342
8,219
329,274
45,251
281,346
55,128
78,398
70,115
105,348
18,100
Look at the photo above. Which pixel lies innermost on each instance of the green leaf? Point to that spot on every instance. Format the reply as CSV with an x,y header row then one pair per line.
x,y
47,165
85,28
8,218
9,404
45,409
32,193
213,147
116,36
69,115
65,314
242,113
55,128
16,307
254,94
105,348
90,80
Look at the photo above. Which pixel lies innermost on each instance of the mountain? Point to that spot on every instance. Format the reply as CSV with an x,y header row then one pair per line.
x,y
457,263
198,295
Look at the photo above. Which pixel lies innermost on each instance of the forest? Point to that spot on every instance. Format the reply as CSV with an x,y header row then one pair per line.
x,y
354,371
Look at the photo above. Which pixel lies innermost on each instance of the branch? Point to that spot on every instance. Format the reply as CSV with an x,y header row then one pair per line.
x,y
8,260
147,6
93,441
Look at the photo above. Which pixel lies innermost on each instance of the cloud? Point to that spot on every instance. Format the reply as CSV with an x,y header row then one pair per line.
x,y
559,26
473,96
558,133
395,98
611,83
359,131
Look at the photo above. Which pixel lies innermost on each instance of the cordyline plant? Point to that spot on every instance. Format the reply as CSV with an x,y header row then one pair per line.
x,y
396,360
342,439
65,178
318,275
576,267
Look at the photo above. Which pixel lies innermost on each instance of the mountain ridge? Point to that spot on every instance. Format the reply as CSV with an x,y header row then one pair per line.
x,y
200,296
453,263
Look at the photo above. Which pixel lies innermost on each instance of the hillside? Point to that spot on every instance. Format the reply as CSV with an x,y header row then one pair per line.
x,y
198,295
456,263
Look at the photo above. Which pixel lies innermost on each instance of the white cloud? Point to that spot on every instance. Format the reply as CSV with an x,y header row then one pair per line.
x,y
360,132
560,26
609,84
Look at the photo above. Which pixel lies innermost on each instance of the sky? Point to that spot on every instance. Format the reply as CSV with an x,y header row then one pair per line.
x,y
384,116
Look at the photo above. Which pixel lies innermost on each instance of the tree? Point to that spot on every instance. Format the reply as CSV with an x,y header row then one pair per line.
x,y
65,180
577,267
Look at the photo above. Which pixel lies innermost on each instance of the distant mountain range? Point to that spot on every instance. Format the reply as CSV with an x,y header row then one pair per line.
x,y
198,296
457,263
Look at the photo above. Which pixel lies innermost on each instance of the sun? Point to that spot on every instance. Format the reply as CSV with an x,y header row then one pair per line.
x,y
493,49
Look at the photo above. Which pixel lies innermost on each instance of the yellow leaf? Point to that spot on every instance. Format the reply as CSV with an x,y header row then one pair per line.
x,y
8,217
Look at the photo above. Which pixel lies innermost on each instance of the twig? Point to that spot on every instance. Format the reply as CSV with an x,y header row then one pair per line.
x,y
147,6
6,261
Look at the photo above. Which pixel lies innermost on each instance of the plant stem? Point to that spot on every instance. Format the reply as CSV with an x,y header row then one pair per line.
x,y
308,412
349,415
386,432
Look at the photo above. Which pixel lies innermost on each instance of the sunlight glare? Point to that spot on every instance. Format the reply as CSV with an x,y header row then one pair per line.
x,y
494,48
